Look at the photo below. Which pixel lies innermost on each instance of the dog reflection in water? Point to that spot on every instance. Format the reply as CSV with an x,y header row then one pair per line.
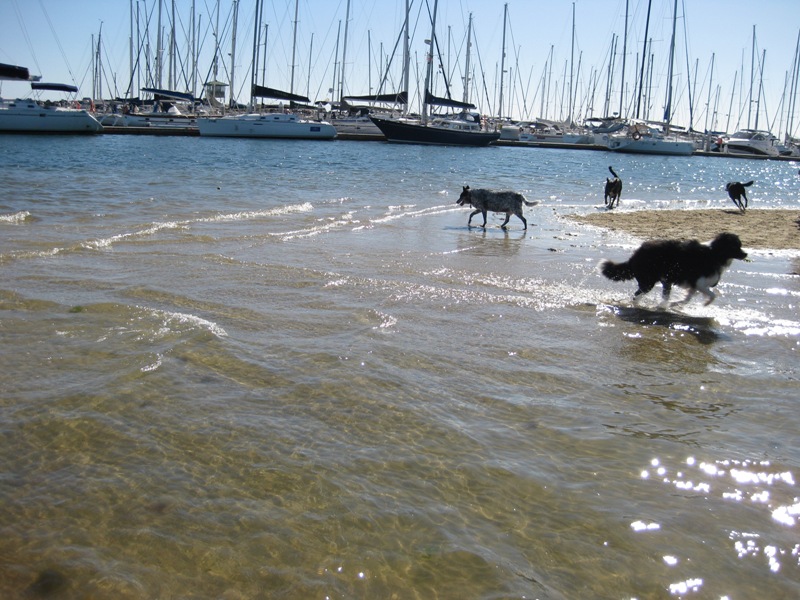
x,y
686,263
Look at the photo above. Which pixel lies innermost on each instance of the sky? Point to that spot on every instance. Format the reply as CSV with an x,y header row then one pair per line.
x,y
733,59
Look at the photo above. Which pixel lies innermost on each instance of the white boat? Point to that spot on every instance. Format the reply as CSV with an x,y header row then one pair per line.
x,y
753,142
172,118
266,125
31,116
359,125
642,139
164,113
544,132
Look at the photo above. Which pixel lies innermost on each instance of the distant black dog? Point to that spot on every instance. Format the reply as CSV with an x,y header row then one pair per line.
x,y
737,192
483,200
687,264
613,190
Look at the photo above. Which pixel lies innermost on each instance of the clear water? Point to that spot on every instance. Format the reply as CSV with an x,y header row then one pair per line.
x,y
264,369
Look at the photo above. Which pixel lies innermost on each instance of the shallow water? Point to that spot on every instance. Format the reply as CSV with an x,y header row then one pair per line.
x,y
259,369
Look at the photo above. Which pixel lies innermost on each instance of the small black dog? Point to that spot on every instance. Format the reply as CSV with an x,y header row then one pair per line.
x,y
687,264
613,190
737,191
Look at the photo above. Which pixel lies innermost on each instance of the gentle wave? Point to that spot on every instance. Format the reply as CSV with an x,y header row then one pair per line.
x,y
16,218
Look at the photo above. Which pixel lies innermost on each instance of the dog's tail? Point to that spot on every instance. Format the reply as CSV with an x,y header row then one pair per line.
x,y
612,172
616,271
532,203
748,184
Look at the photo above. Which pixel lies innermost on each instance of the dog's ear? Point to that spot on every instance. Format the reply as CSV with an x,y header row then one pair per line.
x,y
466,188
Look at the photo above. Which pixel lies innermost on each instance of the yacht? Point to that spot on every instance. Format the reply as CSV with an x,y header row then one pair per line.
x,y
266,125
32,116
642,139
751,141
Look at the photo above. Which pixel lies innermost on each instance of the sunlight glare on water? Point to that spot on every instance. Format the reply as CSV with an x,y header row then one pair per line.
x,y
248,369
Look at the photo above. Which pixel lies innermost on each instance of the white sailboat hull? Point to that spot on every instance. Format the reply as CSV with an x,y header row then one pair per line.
x,y
277,125
27,116
648,145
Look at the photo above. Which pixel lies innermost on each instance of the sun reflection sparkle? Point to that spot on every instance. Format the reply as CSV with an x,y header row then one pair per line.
x,y
754,481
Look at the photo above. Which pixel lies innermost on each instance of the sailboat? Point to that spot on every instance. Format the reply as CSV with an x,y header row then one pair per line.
x,y
29,116
463,129
644,138
283,125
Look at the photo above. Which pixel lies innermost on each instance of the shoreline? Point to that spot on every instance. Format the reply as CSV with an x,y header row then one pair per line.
x,y
763,229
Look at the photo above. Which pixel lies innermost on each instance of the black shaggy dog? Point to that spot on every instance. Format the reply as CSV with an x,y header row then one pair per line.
x,y
483,201
687,264
613,190
737,192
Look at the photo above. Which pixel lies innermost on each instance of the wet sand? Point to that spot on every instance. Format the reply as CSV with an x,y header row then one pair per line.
x,y
762,229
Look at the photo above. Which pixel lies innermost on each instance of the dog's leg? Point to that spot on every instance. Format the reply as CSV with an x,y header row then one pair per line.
x,y
688,297
508,216
472,214
484,218
666,290
522,218
706,291
645,285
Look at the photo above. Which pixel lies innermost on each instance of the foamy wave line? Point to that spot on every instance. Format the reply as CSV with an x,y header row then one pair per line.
x,y
106,242
189,319
434,210
255,214
155,228
30,254
15,218
346,219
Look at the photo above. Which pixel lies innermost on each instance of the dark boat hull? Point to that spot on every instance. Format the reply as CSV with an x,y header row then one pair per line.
x,y
411,133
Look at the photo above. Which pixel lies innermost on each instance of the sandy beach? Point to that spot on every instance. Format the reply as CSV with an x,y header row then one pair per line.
x,y
762,229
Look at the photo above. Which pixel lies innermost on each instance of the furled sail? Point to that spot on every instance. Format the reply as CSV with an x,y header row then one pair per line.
x,y
54,87
265,92
163,94
13,73
396,98
431,99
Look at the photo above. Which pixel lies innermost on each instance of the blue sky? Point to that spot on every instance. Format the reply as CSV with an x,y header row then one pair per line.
x,y
53,38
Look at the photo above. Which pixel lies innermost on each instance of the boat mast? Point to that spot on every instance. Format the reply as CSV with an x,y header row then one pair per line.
x,y
466,73
792,104
256,31
294,44
130,42
194,49
730,104
644,60
610,75
429,70
624,55
570,105
233,50
503,62
406,54
158,46
760,84
310,60
668,103
708,102
344,52
752,68
171,76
